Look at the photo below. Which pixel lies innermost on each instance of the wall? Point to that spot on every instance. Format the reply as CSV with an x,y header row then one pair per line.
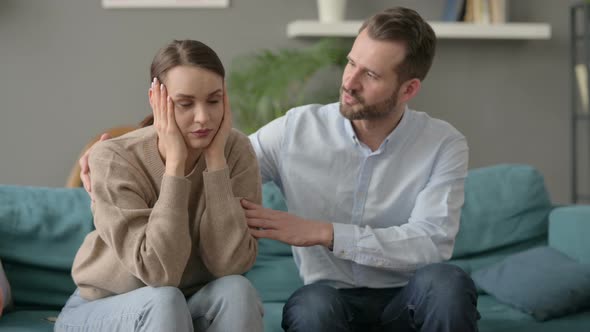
x,y
71,69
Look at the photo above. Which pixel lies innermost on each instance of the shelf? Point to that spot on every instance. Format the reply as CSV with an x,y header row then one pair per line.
x,y
443,30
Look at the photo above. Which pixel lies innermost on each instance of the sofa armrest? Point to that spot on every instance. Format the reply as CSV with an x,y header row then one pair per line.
x,y
569,231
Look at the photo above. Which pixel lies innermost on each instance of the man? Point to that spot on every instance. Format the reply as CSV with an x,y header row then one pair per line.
x,y
374,192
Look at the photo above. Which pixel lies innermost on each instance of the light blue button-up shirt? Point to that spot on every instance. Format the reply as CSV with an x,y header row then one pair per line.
x,y
394,209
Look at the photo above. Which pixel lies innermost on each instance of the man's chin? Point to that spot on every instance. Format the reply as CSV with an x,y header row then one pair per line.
x,y
347,111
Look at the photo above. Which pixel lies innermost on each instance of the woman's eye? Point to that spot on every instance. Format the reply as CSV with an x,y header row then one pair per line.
x,y
185,105
215,101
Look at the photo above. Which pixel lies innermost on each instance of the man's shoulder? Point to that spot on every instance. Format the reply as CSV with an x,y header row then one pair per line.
x,y
314,111
436,127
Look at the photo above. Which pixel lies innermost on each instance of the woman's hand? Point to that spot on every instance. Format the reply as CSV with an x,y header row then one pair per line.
x,y
170,140
214,153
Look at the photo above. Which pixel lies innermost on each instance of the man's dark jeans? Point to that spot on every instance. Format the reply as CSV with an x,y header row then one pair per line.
x,y
439,297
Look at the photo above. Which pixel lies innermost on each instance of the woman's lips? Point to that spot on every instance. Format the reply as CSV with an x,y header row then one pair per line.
x,y
201,133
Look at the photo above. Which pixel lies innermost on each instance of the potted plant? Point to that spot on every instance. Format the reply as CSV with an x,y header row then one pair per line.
x,y
265,85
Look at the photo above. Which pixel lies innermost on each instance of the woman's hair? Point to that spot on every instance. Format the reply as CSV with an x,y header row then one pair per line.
x,y
182,53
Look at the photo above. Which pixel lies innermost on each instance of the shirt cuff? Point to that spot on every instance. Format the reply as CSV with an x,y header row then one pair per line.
x,y
345,239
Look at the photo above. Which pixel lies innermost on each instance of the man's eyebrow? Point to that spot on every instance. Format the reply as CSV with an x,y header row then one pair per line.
x,y
365,68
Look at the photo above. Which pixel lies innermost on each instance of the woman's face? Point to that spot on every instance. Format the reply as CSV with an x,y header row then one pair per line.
x,y
197,94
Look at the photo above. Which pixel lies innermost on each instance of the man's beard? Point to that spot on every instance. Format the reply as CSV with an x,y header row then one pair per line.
x,y
368,112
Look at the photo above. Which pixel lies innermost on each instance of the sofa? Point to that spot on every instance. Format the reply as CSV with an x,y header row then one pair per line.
x,y
507,210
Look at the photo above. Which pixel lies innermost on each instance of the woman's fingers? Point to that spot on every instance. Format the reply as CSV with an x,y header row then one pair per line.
x,y
162,105
156,101
227,116
170,113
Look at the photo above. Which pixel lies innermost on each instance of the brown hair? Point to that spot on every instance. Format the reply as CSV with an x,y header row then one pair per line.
x,y
182,53
405,25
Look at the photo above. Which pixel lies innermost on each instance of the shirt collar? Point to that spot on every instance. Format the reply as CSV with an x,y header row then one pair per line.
x,y
400,128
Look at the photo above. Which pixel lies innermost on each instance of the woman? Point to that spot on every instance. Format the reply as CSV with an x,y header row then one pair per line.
x,y
171,238
5,297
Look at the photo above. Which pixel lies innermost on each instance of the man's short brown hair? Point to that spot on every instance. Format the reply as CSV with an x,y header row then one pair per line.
x,y
405,25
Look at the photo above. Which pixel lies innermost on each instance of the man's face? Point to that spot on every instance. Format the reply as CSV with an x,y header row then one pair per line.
x,y
370,87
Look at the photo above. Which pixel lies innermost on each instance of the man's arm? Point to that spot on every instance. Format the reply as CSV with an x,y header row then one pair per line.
x,y
267,143
427,237
85,168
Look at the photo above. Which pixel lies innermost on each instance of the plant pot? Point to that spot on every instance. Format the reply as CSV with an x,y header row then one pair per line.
x,y
330,11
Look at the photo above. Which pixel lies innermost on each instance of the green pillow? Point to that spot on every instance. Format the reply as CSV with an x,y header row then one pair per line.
x,y
41,230
504,205
541,281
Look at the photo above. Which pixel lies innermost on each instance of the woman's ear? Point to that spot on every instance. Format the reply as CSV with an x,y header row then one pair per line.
x,y
150,96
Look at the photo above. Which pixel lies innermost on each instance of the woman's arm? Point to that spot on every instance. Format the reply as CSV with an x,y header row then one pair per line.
x,y
226,245
152,243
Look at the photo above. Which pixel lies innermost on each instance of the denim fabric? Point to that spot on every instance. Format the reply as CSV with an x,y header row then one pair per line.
x,y
227,304
439,297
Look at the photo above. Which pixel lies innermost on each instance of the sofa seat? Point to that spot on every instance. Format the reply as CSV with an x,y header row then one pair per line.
x,y
28,321
499,317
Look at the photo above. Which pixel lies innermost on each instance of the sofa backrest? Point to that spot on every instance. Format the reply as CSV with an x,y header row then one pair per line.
x,y
41,230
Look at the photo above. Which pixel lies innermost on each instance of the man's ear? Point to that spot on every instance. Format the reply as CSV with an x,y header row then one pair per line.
x,y
409,90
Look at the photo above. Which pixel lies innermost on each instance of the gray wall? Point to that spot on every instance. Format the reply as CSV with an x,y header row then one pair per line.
x,y
70,69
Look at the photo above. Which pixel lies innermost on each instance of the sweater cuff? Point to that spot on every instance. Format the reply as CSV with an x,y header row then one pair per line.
x,y
174,192
344,241
218,185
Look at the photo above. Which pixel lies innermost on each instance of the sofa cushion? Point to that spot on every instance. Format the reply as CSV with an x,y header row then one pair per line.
x,y
41,230
504,204
28,321
569,231
275,277
541,282
497,316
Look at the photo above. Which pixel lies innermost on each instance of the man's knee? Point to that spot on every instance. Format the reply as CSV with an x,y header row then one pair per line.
x,y
312,298
313,307
444,279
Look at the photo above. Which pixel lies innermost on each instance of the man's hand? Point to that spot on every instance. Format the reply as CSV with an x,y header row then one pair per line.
x,y
287,228
85,169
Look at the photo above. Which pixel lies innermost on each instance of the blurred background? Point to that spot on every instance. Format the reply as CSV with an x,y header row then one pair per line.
x,y
71,69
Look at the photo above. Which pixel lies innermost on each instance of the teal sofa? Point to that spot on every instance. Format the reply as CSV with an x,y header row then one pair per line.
x,y
507,210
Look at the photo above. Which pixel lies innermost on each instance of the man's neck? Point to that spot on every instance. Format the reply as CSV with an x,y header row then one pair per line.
x,y
373,132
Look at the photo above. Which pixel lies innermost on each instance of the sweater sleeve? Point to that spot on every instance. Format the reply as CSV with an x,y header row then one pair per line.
x,y
226,245
153,243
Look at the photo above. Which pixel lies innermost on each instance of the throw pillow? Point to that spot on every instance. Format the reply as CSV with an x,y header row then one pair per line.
x,y
540,281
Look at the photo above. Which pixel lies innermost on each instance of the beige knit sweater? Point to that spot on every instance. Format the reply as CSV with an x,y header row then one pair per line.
x,y
160,230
